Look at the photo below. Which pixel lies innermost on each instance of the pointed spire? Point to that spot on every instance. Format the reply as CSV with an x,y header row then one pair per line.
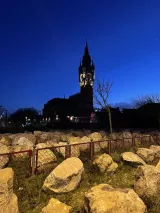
x,y
86,57
93,65
80,63
86,49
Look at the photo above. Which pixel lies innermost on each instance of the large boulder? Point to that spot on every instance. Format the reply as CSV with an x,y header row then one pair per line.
x,y
117,144
147,139
77,134
51,143
115,136
104,143
137,138
103,133
60,147
3,158
75,150
63,137
105,163
106,199
158,165
18,152
126,135
45,156
127,138
156,137
37,133
43,137
65,177
8,200
84,147
73,139
95,136
132,158
146,154
56,206
54,136
13,136
147,181
5,140
156,150
24,140
41,145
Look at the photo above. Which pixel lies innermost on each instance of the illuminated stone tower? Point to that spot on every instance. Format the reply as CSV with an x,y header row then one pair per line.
x,y
86,81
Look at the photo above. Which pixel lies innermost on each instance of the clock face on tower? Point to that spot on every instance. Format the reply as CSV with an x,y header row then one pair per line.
x,y
86,79
89,79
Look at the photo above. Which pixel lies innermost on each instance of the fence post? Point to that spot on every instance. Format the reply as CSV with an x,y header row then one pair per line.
x,y
109,146
91,149
30,162
34,159
67,151
133,141
36,164
123,141
156,139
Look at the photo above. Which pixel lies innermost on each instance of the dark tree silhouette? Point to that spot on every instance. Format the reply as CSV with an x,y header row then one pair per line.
x,y
146,99
21,114
149,106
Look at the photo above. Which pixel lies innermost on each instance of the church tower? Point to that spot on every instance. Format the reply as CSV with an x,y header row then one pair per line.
x,y
86,80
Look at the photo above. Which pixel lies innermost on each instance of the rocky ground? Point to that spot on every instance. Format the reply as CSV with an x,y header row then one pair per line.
x,y
126,180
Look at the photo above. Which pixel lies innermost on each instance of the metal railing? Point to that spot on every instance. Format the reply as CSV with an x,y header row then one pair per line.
x,y
23,157
33,156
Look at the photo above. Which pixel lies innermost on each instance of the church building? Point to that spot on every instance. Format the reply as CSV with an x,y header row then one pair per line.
x,y
77,105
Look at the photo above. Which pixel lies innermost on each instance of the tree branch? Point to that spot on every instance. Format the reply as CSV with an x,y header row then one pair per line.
x,y
146,99
102,92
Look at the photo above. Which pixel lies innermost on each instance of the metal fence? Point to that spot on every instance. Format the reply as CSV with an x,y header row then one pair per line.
x,y
21,161
90,149
38,159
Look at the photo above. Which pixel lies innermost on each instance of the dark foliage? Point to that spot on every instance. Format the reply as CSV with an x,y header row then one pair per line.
x,y
20,115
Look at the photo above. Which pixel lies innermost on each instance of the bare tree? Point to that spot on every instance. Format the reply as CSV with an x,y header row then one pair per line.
x,y
146,99
101,95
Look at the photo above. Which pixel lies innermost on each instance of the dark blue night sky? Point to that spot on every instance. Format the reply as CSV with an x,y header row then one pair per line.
x,y
42,42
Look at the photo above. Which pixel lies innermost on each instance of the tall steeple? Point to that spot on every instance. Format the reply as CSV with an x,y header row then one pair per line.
x,y
86,69
86,80
86,48
86,60
92,65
